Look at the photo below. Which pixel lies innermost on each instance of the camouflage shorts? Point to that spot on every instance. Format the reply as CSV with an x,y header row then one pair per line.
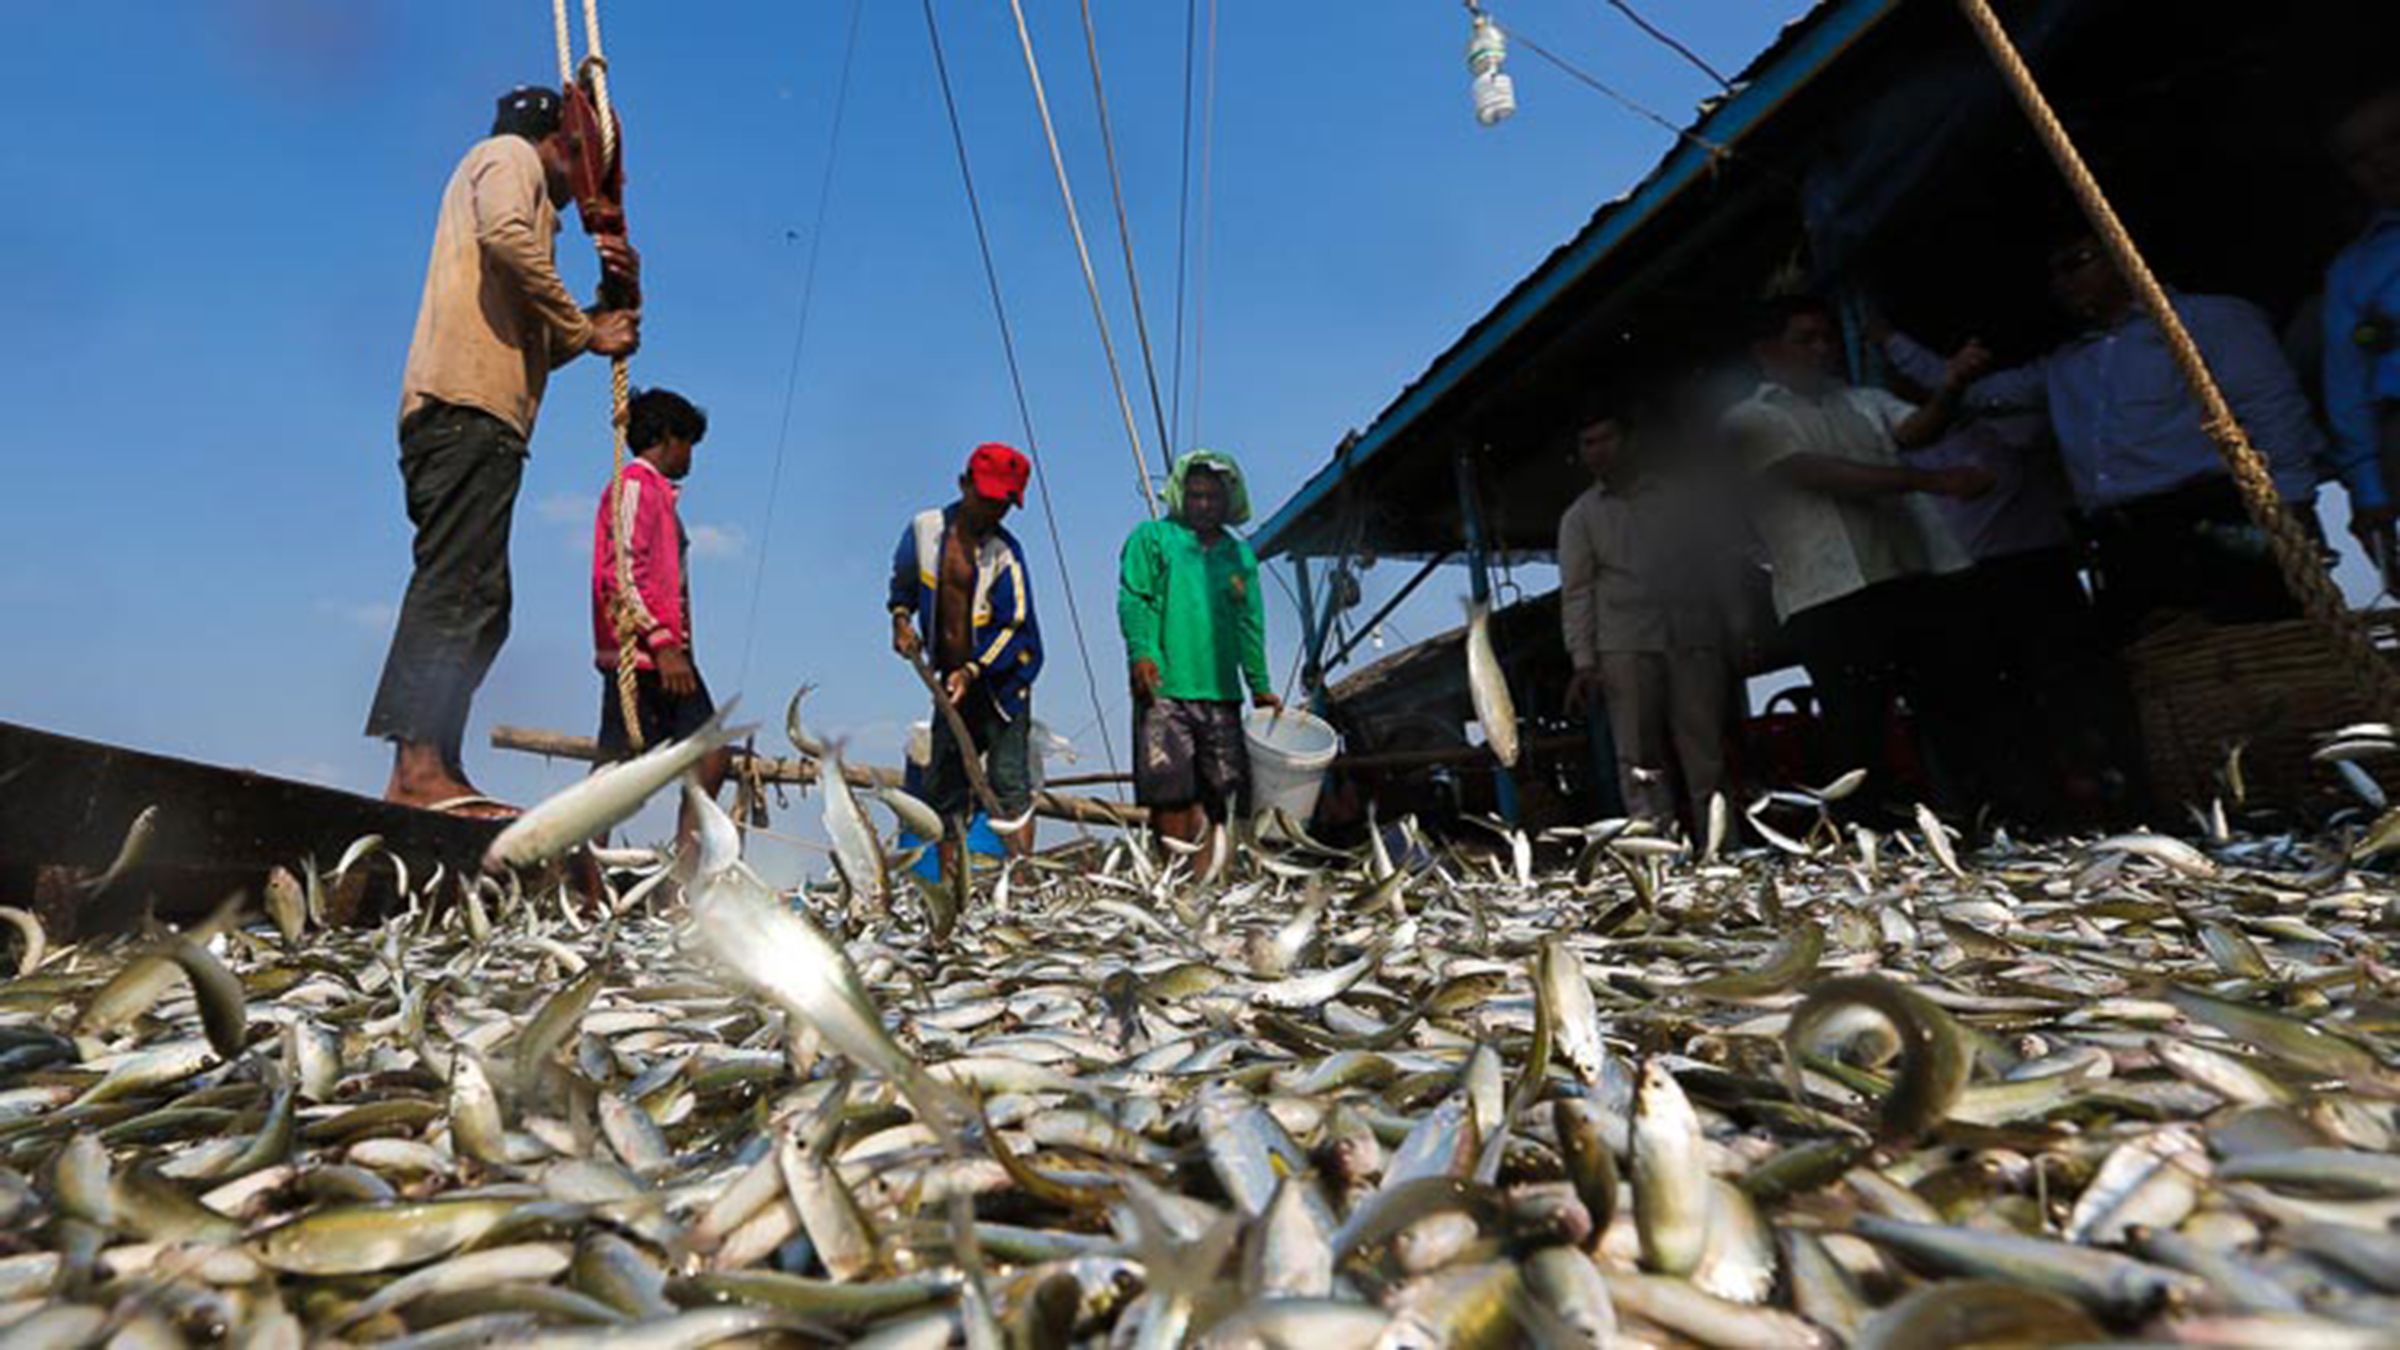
x,y
1189,750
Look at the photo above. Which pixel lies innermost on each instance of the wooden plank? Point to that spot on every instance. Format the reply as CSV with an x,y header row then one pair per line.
x,y
803,772
66,804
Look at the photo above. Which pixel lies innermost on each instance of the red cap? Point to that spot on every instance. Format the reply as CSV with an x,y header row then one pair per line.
x,y
999,472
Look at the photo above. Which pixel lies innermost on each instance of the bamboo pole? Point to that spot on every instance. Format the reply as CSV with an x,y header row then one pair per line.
x,y
803,772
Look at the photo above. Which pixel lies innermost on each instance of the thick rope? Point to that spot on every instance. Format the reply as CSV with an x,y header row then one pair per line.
x,y
566,52
620,386
2295,551
1083,252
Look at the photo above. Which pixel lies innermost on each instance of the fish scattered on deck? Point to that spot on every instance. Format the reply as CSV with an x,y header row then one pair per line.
x,y
1600,1087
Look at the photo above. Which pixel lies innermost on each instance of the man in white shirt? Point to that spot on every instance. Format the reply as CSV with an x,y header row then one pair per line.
x,y
1855,541
1645,638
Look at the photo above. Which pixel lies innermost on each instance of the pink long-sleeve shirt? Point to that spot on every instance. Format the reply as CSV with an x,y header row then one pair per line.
x,y
662,598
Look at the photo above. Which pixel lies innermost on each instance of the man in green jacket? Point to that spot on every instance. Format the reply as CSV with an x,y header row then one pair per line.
x,y
1195,635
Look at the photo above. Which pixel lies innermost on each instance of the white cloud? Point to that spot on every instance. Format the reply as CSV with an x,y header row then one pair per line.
x,y
718,541
565,508
372,614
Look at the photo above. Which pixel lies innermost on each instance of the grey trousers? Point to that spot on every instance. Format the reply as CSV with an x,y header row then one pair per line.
x,y
1667,713
461,468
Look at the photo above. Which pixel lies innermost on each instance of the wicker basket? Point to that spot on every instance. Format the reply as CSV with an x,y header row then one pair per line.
x,y
2275,688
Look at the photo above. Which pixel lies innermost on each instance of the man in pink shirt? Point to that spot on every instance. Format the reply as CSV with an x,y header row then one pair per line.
x,y
672,702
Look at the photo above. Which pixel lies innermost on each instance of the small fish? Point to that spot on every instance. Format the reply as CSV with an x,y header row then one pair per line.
x,y
219,995
857,849
1937,839
2361,784
1565,989
140,837
914,815
1495,711
1671,1195
32,944
286,904
362,848
2381,837
778,952
802,741
1934,1056
606,799
717,839
2162,849
475,1121
364,1239
1793,961
1841,788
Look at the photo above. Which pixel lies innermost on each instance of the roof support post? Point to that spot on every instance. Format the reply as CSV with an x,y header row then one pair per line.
x,y
1312,637
1479,581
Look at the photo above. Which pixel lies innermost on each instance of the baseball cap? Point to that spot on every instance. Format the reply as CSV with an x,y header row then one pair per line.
x,y
999,472
529,110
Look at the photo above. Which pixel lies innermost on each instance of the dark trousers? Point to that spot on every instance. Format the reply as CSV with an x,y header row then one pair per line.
x,y
461,469
2059,717
2192,548
1913,639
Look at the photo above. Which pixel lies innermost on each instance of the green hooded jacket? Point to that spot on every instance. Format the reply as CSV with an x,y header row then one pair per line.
x,y
1195,612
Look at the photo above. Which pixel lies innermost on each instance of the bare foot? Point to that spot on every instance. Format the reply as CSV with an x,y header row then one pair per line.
x,y
420,779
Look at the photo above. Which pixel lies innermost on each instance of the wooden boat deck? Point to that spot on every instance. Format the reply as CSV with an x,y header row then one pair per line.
x,y
65,805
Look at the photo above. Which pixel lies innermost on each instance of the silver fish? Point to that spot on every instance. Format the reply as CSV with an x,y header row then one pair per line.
x,y
606,799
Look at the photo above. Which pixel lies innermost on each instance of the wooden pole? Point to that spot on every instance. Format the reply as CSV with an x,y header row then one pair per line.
x,y
803,772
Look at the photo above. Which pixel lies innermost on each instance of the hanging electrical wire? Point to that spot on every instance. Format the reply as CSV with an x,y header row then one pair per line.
x,y
1208,156
808,292
1133,278
1083,254
1016,380
1662,37
1621,99
1183,220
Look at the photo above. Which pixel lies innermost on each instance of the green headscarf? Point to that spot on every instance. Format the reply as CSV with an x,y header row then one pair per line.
x,y
1237,492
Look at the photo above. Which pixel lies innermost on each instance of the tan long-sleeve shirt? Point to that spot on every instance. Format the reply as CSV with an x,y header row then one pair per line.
x,y
495,318
1645,571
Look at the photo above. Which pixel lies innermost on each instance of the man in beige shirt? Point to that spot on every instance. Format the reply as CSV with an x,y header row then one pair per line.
x,y
494,320
1651,643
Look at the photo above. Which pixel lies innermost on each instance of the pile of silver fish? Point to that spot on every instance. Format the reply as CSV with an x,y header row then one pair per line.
x,y
1598,1087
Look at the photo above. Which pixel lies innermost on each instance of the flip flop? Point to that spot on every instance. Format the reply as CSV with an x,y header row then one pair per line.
x,y
475,806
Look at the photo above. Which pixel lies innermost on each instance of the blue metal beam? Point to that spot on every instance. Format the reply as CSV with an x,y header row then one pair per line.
x,y
1312,639
1830,31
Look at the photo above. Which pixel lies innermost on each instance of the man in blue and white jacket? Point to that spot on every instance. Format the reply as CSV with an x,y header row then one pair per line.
x,y
961,595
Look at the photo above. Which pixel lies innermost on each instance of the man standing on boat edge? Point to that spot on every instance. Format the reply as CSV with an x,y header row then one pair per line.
x,y
494,320
1195,630
961,595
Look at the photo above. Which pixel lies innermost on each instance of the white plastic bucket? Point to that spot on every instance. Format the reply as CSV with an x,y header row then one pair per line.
x,y
1289,753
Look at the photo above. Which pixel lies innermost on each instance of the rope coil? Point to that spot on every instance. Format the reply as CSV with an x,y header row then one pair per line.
x,y
2294,548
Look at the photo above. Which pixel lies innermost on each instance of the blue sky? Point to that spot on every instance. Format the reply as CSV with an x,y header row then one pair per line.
x,y
220,219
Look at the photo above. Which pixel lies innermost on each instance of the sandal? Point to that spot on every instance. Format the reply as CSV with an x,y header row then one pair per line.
x,y
475,806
